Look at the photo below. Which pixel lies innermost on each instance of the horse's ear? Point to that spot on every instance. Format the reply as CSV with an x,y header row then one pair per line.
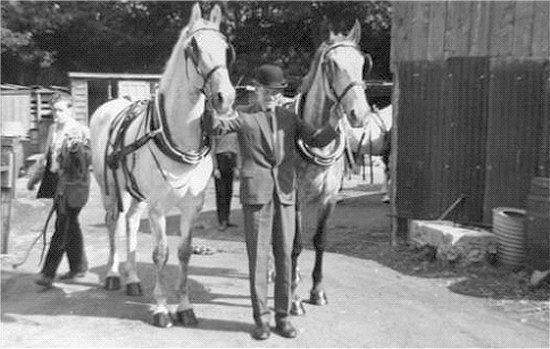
x,y
355,33
216,15
196,13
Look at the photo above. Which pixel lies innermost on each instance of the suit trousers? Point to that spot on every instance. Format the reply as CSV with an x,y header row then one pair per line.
x,y
224,185
67,238
265,225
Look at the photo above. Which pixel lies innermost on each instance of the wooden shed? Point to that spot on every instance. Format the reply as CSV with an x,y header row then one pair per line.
x,y
90,90
26,113
471,115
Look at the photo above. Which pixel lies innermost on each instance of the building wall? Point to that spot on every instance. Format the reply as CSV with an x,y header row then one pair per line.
x,y
470,106
438,30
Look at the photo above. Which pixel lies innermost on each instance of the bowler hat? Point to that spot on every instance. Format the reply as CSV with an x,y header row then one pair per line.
x,y
271,76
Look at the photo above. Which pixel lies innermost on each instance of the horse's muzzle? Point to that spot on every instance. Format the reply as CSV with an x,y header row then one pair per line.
x,y
355,120
222,101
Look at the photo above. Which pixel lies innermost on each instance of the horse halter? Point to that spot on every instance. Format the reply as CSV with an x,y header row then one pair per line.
x,y
368,58
192,49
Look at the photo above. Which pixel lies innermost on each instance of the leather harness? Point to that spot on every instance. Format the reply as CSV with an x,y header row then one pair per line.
x,y
154,122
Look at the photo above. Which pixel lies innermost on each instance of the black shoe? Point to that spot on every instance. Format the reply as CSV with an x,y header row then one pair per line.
x,y
44,281
261,332
72,275
286,329
232,225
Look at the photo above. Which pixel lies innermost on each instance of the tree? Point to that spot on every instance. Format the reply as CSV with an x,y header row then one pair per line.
x,y
43,40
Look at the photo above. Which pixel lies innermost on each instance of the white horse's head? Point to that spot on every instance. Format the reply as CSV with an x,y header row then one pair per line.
x,y
343,66
207,56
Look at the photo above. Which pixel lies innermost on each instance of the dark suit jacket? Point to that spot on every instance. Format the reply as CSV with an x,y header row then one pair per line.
x,y
267,168
72,184
74,181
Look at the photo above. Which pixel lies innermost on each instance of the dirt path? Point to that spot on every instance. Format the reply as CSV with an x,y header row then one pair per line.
x,y
377,297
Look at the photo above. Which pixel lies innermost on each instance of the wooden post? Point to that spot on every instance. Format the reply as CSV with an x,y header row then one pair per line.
x,y
399,226
8,176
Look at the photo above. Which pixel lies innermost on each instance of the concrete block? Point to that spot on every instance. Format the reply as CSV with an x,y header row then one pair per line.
x,y
453,242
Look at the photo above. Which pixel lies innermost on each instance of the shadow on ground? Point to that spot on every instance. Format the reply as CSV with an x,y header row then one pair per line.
x,y
88,298
360,227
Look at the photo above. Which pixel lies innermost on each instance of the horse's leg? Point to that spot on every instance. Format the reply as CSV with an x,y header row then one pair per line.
x,y
184,312
317,294
133,215
161,313
296,307
114,227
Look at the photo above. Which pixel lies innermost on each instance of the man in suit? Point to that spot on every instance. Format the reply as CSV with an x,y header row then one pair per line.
x,y
267,135
65,177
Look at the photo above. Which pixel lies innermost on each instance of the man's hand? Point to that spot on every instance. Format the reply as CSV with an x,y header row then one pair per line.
x,y
217,174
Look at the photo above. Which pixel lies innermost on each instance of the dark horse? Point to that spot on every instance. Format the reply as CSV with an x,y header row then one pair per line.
x,y
334,84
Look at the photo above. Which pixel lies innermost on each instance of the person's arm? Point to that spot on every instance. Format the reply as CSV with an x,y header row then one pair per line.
x,y
317,137
218,126
37,172
39,168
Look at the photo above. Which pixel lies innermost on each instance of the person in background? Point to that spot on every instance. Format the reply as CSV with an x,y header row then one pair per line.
x,y
225,162
65,177
267,134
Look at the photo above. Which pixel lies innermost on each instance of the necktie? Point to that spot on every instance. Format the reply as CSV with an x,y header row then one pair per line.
x,y
273,123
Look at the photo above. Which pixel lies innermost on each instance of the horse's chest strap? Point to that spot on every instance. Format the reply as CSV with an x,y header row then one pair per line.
x,y
113,159
117,156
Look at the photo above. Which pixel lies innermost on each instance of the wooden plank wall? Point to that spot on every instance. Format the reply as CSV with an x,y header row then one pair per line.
x,y
442,29
79,92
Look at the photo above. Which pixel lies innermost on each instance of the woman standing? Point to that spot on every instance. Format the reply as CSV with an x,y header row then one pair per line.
x,y
64,175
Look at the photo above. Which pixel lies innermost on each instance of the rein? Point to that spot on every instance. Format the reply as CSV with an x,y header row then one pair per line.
x,y
42,235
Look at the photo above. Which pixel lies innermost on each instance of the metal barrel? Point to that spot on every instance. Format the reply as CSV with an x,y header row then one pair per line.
x,y
508,225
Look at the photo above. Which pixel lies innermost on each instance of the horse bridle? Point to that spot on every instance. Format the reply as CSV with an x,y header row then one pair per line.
x,y
338,98
303,148
194,59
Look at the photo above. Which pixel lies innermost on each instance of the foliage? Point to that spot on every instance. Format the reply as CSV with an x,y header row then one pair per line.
x,y
43,40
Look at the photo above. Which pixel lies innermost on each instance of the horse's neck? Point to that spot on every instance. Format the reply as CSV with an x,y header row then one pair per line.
x,y
183,106
316,104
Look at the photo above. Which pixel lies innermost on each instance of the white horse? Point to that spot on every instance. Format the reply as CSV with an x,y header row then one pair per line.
x,y
373,139
334,84
154,153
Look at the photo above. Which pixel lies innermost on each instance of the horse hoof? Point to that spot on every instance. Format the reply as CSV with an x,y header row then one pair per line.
x,y
187,318
318,298
297,308
112,283
162,320
386,200
134,289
